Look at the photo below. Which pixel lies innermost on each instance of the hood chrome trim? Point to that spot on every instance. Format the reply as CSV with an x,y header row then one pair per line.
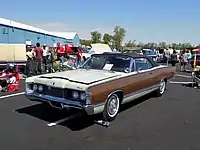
x,y
54,77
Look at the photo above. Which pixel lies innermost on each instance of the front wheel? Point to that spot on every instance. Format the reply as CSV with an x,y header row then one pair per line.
x,y
111,108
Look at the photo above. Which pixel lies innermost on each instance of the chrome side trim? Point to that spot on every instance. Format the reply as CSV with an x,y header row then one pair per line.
x,y
138,94
146,89
98,108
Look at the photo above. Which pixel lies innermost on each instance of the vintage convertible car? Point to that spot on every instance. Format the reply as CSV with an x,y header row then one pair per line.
x,y
101,84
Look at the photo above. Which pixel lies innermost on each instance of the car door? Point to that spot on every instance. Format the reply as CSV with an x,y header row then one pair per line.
x,y
144,69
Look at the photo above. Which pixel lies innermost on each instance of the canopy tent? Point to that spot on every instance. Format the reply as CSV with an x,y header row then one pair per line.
x,y
99,48
196,50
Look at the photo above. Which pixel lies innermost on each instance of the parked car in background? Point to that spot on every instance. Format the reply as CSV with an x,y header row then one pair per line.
x,y
70,63
133,51
102,84
97,48
150,53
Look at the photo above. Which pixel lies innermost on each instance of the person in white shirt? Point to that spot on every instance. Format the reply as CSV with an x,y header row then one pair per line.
x,y
45,52
167,54
184,60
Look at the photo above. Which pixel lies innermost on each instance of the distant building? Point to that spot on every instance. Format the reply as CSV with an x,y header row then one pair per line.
x,y
71,37
18,33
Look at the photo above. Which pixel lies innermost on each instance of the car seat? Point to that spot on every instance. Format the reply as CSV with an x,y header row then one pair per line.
x,y
120,65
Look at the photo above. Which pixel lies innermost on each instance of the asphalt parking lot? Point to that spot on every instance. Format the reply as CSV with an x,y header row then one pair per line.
x,y
170,122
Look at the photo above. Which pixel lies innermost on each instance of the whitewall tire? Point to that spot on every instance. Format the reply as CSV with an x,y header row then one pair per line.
x,y
111,108
162,88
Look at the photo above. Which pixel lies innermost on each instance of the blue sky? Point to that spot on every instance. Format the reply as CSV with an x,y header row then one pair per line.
x,y
144,20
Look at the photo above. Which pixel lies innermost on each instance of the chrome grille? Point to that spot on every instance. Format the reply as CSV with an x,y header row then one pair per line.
x,y
53,91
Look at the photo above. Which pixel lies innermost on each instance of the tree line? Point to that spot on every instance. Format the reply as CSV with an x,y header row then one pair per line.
x,y
115,41
161,45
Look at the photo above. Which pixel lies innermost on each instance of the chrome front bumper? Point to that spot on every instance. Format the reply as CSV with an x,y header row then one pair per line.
x,y
66,103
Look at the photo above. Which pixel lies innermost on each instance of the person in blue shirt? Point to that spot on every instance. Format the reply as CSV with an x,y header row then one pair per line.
x,y
189,56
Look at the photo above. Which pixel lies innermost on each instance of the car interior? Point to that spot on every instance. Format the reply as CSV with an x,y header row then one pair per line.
x,y
142,64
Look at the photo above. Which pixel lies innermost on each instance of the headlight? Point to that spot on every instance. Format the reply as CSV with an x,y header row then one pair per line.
x,y
35,87
40,88
83,96
75,94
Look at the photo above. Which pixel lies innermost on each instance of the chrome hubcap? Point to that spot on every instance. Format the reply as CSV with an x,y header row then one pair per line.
x,y
162,87
113,106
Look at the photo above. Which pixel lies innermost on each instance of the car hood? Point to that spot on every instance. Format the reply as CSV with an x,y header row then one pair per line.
x,y
82,76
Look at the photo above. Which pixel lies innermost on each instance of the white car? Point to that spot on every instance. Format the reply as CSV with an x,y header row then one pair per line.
x,y
102,84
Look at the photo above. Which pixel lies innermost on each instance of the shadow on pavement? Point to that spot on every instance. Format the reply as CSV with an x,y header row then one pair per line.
x,y
45,112
135,102
191,85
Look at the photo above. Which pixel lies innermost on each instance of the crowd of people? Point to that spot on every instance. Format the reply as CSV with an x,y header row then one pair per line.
x,y
42,59
183,58
47,59
51,59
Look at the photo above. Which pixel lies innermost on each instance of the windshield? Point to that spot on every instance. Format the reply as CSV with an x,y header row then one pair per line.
x,y
149,52
105,62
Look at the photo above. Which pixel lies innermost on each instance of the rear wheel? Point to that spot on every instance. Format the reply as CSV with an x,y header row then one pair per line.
x,y
111,108
162,88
